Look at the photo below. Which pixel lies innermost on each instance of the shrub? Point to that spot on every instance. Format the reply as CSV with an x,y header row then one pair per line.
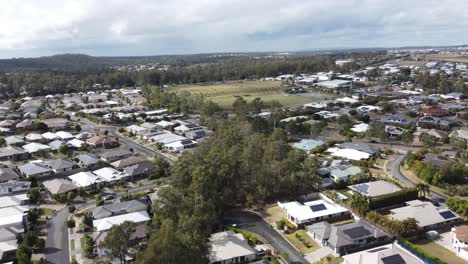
x,y
291,226
395,198
71,223
280,225
418,251
71,208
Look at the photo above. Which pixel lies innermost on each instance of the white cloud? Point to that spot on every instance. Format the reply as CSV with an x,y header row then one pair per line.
x,y
137,27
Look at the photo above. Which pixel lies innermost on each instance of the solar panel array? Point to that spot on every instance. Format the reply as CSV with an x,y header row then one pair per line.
x,y
363,188
393,259
318,207
447,215
356,232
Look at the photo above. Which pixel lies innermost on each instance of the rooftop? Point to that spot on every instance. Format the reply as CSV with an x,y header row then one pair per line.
x,y
227,245
375,188
424,212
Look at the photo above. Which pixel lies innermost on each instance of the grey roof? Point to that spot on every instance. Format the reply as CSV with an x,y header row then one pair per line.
x,y
57,186
436,160
360,146
118,209
11,140
396,119
7,174
56,144
60,164
10,151
340,235
87,159
139,169
33,168
375,188
115,153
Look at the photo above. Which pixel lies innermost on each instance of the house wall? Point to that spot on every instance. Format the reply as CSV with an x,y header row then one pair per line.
x,y
459,245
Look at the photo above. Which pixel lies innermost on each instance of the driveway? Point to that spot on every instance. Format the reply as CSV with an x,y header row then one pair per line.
x,y
320,253
255,224
445,240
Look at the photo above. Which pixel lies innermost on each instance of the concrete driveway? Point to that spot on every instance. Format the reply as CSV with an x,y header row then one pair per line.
x,y
318,254
446,241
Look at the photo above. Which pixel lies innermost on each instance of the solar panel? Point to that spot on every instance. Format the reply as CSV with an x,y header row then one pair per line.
x,y
393,259
356,232
447,215
318,207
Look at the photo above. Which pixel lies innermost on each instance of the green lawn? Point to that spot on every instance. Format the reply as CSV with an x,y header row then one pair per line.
x,y
47,211
312,245
330,260
225,94
439,251
72,245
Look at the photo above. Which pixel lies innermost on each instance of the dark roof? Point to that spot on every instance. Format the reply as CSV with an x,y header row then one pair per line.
x,y
115,153
7,174
119,209
436,159
60,164
139,169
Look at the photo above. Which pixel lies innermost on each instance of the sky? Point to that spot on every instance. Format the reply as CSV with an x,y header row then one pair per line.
x,y
32,28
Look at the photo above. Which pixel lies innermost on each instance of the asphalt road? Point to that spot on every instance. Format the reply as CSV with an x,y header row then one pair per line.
x,y
394,168
255,224
57,248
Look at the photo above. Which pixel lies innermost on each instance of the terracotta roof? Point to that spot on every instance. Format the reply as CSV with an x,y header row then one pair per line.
x,y
462,233
132,160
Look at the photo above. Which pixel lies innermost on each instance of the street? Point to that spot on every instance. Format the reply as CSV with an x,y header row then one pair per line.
x,y
255,224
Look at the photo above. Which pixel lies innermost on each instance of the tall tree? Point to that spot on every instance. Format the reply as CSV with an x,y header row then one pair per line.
x,y
117,241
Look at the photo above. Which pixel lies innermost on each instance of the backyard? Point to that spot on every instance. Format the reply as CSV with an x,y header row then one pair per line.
x,y
438,251
302,241
226,93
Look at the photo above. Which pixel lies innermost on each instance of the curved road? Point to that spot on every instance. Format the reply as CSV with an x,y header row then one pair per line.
x,y
255,224
394,168
57,243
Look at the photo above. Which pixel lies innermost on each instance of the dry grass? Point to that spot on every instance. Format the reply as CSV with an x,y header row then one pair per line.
x,y
273,214
330,260
226,93
445,57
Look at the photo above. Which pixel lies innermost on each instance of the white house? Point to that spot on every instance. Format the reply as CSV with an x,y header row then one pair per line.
x,y
229,247
313,211
459,237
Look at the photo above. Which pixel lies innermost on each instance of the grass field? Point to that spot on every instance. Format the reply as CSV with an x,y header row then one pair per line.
x,y
330,260
312,245
450,58
226,93
439,251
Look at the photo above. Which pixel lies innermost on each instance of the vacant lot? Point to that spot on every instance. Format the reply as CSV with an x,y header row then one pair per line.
x,y
444,57
226,93
439,251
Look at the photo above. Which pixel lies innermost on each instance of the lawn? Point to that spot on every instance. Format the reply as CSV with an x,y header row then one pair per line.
x,y
72,245
300,245
273,214
226,93
47,211
439,251
450,58
330,260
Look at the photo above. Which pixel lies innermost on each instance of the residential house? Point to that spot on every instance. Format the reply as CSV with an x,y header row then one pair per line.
x,y
49,136
308,144
7,174
36,147
14,200
167,138
181,130
387,254
87,160
181,145
459,134
85,179
14,186
106,223
437,160
338,170
428,215
59,186
459,236
394,131
121,208
76,143
34,137
64,135
315,211
114,155
346,238
13,153
56,144
26,124
110,174
163,124
428,121
14,140
229,247
132,160
57,123
140,169
102,142
396,120
35,169
433,111
375,188
61,165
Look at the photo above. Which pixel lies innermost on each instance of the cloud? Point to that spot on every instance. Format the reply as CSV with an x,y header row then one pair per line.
x,y
146,27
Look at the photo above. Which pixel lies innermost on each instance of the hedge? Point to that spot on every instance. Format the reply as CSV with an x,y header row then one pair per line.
x,y
395,198
420,253
250,236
